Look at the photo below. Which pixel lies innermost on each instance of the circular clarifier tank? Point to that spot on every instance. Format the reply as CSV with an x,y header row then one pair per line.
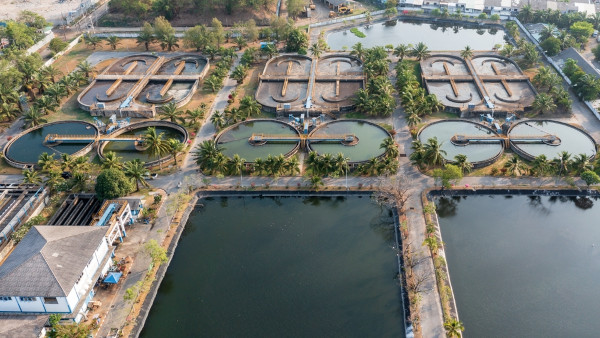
x,y
573,140
235,139
369,137
26,148
127,149
478,153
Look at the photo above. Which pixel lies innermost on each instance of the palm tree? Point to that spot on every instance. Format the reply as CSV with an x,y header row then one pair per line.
x,y
461,161
42,80
390,147
563,161
454,328
340,164
45,104
69,83
541,166
46,162
92,40
169,112
169,42
543,103
205,154
239,73
237,166
515,166
195,115
432,243
33,118
145,36
547,31
316,182
52,72
433,152
56,92
315,50
249,106
111,161
67,162
157,145
217,120
582,162
79,181
402,50
240,42
136,171
213,83
412,119
9,111
508,50
86,68
292,165
113,41
421,51
359,51
79,78
466,53
175,147
8,94
418,154
31,176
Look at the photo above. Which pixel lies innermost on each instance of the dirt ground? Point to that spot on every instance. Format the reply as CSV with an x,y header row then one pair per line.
x,y
49,9
189,18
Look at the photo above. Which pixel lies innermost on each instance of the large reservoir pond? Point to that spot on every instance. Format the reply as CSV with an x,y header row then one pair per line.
x,y
524,266
282,267
437,37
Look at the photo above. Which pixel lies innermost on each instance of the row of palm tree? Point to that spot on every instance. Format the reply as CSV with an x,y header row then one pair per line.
x,y
170,112
276,166
376,99
215,81
327,164
248,108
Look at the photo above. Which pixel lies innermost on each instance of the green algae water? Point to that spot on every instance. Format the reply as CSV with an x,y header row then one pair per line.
x,y
282,267
524,266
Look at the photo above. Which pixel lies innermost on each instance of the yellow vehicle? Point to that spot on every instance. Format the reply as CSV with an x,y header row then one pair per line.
x,y
345,10
331,14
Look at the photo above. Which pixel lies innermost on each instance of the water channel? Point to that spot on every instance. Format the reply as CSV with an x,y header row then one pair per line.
x,y
437,37
280,267
524,266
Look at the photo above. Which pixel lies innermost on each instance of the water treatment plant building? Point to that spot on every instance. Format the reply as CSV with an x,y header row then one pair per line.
x,y
137,84
297,84
483,83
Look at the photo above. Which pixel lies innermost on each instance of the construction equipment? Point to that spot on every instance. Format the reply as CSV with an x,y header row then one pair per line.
x,y
345,10
331,14
312,6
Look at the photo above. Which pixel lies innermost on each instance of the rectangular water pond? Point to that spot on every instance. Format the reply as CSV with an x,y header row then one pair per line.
x,y
524,266
437,36
281,267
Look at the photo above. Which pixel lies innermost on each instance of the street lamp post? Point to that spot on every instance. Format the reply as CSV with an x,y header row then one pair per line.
x,y
346,176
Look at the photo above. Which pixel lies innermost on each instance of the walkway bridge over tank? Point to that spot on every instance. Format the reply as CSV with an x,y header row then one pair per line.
x,y
261,139
463,140
51,139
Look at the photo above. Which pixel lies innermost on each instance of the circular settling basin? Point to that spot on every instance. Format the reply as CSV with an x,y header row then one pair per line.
x,y
235,139
572,140
28,147
476,152
369,137
127,150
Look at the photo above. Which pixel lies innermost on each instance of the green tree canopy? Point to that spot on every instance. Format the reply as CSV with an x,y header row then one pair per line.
x,y
112,183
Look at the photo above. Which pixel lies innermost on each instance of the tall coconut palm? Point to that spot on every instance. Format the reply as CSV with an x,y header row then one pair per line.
x,y
543,103
515,166
9,111
359,51
454,328
175,147
33,118
418,154
146,36
113,41
292,165
205,153
466,53
31,176
217,120
433,152
249,106
111,161
169,42
563,162
86,68
402,50
136,171
92,40
412,119
157,145
390,147
315,50
46,161
169,112
463,163
420,51
541,166
582,162
236,166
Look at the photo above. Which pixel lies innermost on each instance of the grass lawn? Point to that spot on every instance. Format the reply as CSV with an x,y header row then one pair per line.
x,y
444,115
70,111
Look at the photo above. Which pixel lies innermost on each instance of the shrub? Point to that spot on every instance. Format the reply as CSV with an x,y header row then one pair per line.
x,y
358,33
112,183
57,45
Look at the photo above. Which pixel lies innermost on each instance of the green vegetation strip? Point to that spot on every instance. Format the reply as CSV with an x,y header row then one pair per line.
x,y
358,33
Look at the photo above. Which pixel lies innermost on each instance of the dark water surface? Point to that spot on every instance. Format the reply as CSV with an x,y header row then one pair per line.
x,y
282,267
524,266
